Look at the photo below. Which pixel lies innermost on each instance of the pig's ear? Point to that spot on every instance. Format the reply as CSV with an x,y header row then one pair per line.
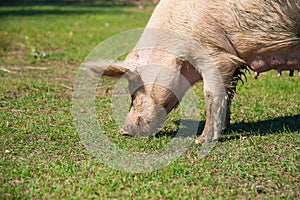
x,y
109,68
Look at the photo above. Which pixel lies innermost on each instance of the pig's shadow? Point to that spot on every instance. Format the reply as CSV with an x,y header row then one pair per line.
x,y
244,129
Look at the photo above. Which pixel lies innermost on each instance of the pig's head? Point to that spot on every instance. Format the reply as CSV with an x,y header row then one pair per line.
x,y
155,91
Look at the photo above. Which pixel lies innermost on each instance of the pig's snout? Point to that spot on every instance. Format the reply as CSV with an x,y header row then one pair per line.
x,y
145,124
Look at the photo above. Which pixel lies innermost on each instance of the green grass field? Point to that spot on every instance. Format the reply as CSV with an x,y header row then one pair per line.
x,y
42,156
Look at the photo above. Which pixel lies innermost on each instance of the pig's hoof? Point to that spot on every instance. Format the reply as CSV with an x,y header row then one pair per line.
x,y
200,140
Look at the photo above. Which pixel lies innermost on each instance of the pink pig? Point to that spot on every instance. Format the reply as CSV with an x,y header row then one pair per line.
x,y
213,41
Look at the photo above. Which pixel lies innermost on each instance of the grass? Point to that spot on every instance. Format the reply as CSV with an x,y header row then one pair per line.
x,y
42,156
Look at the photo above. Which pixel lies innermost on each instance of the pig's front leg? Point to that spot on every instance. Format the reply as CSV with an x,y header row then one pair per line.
x,y
217,116
226,122
218,88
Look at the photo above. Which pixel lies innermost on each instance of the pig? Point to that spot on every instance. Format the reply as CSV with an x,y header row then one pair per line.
x,y
231,36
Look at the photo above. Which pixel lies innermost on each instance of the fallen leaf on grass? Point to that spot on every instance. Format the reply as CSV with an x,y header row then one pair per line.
x,y
36,68
7,70
17,181
67,87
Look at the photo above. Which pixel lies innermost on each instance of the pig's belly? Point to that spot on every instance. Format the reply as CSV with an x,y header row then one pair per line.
x,y
275,61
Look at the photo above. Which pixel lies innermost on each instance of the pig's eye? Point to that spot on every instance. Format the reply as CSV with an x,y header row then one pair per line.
x,y
141,122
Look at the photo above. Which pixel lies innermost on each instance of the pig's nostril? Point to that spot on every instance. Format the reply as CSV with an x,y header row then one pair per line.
x,y
123,131
128,130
